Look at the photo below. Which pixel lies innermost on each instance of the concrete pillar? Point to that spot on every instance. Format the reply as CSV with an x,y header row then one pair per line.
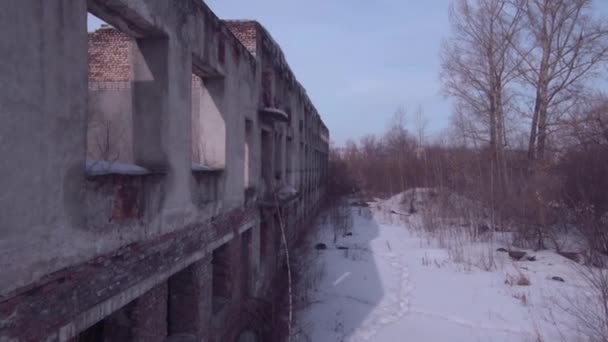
x,y
255,259
150,102
43,90
267,153
149,315
117,327
246,264
162,89
286,156
43,98
190,301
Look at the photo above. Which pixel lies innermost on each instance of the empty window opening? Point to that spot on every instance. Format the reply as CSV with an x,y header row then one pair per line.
x,y
183,302
265,235
110,119
289,162
267,88
116,327
92,334
208,122
127,80
248,336
278,157
266,153
289,116
222,277
246,263
248,162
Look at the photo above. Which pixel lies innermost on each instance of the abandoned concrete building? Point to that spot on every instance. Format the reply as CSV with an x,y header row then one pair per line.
x,y
147,200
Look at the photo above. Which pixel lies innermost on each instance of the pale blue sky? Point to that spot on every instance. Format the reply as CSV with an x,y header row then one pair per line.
x,y
359,60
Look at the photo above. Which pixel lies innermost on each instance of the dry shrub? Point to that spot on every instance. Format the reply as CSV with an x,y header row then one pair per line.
x,y
430,222
518,279
486,260
522,297
587,309
459,226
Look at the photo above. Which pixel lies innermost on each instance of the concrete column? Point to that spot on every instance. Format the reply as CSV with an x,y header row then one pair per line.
x,y
43,91
190,301
267,160
150,102
162,91
149,316
117,327
284,156
255,259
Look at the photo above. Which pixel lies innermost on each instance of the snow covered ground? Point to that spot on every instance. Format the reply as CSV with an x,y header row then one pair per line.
x,y
381,279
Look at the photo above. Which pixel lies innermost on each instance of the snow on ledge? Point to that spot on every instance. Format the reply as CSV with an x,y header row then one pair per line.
x,y
287,192
205,168
104,167
275,114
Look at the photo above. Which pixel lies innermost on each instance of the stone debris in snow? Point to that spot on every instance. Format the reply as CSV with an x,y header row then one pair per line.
x,y
517,255
321,246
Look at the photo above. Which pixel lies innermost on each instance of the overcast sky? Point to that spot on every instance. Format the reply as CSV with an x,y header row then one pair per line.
x,y
359,60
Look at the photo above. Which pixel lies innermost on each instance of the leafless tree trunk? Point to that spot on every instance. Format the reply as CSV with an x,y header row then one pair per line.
x,y
563,49
399,143
104,139
479,64
421,124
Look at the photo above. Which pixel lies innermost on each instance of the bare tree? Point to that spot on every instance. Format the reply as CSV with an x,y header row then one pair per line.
x,y
399,144
104,139
563,49
588,124
467,130
479,65
421,123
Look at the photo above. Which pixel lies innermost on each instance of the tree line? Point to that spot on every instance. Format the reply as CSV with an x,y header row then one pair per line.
x,y
528,133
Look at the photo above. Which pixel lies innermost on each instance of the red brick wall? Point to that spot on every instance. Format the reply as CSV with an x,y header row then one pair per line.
x,y
109,55
245,31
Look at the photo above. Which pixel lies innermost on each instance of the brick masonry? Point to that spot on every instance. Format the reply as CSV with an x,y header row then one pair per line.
x,y
246,32
109,55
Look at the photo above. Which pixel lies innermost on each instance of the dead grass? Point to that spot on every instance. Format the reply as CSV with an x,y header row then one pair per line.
x,y
454,225
518,279
522,297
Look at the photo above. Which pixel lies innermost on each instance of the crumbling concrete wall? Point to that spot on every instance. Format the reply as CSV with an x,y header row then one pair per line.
x,y
88,244
304,138
43,96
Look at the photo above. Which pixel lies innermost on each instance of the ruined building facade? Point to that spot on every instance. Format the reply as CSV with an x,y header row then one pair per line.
x,y
148,168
